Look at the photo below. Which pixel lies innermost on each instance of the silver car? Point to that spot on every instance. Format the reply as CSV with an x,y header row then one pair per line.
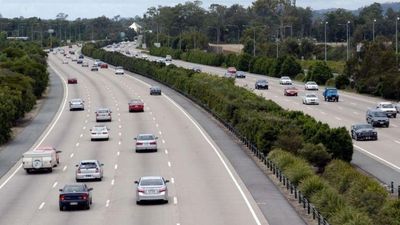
x,y
99,132
103,114
146,142
89,170
311,99
151,188
76,104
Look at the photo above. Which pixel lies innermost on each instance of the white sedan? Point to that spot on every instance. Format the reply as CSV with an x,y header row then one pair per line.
x,y
310,99
311,85
119,70
285,80
99,132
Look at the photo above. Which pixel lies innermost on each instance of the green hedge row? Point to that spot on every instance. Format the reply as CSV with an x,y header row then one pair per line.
x,y
261,121
23,78
342,194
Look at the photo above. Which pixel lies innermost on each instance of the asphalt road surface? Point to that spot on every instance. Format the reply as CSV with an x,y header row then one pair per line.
x,y
204,188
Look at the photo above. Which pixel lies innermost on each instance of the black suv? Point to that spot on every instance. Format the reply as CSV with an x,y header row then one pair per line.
x,y
377,117
155,90
261,84
363,132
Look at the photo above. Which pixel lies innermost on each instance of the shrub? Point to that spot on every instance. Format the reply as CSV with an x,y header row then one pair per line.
x,y
312,185
315,154
319,72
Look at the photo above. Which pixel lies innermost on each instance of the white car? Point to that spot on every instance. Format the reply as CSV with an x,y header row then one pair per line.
x,y
311,85
76,104
119,70
388,108
65,61
310,99
151,188
99,132
89,170
285,80
146,142
74,59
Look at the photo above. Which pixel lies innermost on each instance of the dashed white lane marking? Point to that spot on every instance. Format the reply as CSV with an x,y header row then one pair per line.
x,y
394,125
65,168
119,126
338,118
88,110
119,114
84,128
107,203
117,109
169,164
116,166
175,200
81,135
151,113
275,96
156,124
119,133
55,184
166,151
112,182
154,118
119,120
41,205
72,155
86,121
87,115
398,142
118,153
353,103
160,132
77,144
119,142
163,141
322,112
172,180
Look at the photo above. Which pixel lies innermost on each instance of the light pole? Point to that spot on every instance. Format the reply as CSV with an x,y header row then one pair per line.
x,y
397,44
326,22
348,39
373,30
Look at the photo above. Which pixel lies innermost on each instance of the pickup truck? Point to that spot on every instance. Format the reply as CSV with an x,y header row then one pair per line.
x,y
388,108
40,159
331,94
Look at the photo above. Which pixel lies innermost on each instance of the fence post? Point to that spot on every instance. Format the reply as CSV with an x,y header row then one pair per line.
x,y
300,197
280,177
291,188
284,181
313,213
392,187
308,207
295,192
398,192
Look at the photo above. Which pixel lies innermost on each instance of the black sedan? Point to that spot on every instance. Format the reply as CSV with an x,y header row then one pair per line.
x,y
363,132
261,84
75,195
155,90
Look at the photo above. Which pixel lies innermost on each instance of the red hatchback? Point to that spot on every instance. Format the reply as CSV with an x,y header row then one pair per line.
x,y
136,105
72,81
290,91
104,66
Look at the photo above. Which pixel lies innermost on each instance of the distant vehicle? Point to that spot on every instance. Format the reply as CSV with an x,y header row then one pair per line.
x,y
311,85
75,195
81,56
261,84
240,74
290,91
85,64
76,104
331,94
119,70
231,72
388,108
155,90
103,114
94,68
136,105
68,56
311,99
146,142
104,66
363,132
377,117
79,61
151,188
99,132
89,170
285,80
64,61
72,80
97,62
41,158
74,59
196,69
168,58
72,52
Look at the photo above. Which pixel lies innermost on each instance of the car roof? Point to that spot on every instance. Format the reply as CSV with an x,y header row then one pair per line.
x,y
151,177
291,87
45,148
311,94
261,80
146,134
88,161
136,100
76,99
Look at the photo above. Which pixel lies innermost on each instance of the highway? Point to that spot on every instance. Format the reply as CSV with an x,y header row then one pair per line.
x,y
204,187
380,158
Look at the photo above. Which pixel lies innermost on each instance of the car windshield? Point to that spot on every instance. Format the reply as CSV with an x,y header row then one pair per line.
x,y
380,114
311,96
364,126
312,83
155,88
88,165
99,128
73,188
136,101
103,111
151,182
262,81
387,106
145,137
119,68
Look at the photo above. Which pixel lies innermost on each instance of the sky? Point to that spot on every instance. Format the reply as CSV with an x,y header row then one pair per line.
x,y
48,9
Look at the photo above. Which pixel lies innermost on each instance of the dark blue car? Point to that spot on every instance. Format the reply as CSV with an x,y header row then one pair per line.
x,y
75,195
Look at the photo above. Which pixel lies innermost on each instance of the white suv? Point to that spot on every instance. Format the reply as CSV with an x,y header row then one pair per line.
x,y
388,108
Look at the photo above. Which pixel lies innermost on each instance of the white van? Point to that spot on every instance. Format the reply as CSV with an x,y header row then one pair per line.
x,y
41,158
168,58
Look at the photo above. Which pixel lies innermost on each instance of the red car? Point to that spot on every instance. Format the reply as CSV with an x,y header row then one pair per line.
x,y
290,91
72,81
104,66
136,105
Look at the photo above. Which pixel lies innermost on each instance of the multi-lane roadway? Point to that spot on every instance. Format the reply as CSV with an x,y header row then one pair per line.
x,y
380,158
204,187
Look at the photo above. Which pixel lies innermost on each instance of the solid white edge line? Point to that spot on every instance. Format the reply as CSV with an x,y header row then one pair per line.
x,y
253,213
53,123
377,157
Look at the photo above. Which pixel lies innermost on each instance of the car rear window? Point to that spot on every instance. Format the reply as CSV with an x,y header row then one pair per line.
x,y
380,114
102,111
145,137
88,165
386,106
151,182
74,188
